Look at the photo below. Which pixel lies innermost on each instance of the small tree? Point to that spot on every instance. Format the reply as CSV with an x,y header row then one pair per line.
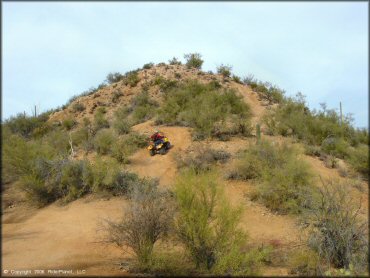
x,y
193,60
146,220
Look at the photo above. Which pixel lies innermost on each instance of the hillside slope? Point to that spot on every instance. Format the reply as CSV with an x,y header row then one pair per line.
x,y
68,236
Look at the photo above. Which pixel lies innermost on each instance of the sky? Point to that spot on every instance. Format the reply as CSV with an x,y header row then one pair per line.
x,y
54,50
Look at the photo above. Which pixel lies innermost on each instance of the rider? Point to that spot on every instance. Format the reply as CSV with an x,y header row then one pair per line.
x,y
157,138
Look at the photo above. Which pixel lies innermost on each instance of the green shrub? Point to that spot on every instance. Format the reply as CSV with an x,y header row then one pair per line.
x,y
54,179
99,120
143,108
115,96
193,60
58,140
122,127
18,155
359,160
121,123
284,181
131,78
202,158
174,61
305,262
78,107
104,140
68,123
148,66
114,77
209,232
338,235
80,136
75,180
337,147
224,70
203,108
287,189
146,221
121,150
24,125
237,79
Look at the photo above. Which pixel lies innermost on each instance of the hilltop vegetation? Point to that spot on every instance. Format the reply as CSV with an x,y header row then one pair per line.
x,y
84,147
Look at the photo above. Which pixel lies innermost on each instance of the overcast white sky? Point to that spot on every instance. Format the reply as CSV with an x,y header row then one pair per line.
x,y
54,50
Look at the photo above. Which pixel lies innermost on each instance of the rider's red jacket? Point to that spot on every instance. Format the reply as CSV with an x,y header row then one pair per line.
x,y
156,136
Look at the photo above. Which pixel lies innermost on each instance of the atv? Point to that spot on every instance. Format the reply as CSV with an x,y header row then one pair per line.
x,y
160,148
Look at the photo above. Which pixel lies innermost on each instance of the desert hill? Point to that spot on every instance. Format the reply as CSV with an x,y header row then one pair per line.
x,y
68,235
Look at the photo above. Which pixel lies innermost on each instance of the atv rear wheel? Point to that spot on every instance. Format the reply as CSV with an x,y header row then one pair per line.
x,y
162,151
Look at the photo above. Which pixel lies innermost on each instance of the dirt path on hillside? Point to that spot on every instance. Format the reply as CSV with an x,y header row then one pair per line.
x,y
162,167
61,237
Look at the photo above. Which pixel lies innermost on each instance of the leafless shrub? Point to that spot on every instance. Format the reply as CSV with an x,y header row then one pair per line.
x,y
202,158
146,220
338,235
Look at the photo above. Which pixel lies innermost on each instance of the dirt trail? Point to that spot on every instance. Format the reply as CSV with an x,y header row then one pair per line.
x,y
61,237
162,167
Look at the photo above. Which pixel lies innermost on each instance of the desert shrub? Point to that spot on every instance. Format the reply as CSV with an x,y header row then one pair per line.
x,y
127,145
120,151
136,140
283,181
54,179
331,161
305,262
115,96
201,107
167,84
338,235
174,61
209,232
99,120
337,147
58,140
143,108
68,123
80,136
237,79
145,222
359,160
121,122
287,189
148,66
224,70
122,126
122,183
114,77
103,141
18,155
193,60
312,150
78,107
131,78
24,125
75,180
202,158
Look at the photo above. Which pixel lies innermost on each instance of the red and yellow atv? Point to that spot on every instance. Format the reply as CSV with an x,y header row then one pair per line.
x,y
160,148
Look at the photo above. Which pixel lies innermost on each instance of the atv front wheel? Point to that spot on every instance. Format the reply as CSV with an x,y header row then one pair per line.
x,y
152,152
